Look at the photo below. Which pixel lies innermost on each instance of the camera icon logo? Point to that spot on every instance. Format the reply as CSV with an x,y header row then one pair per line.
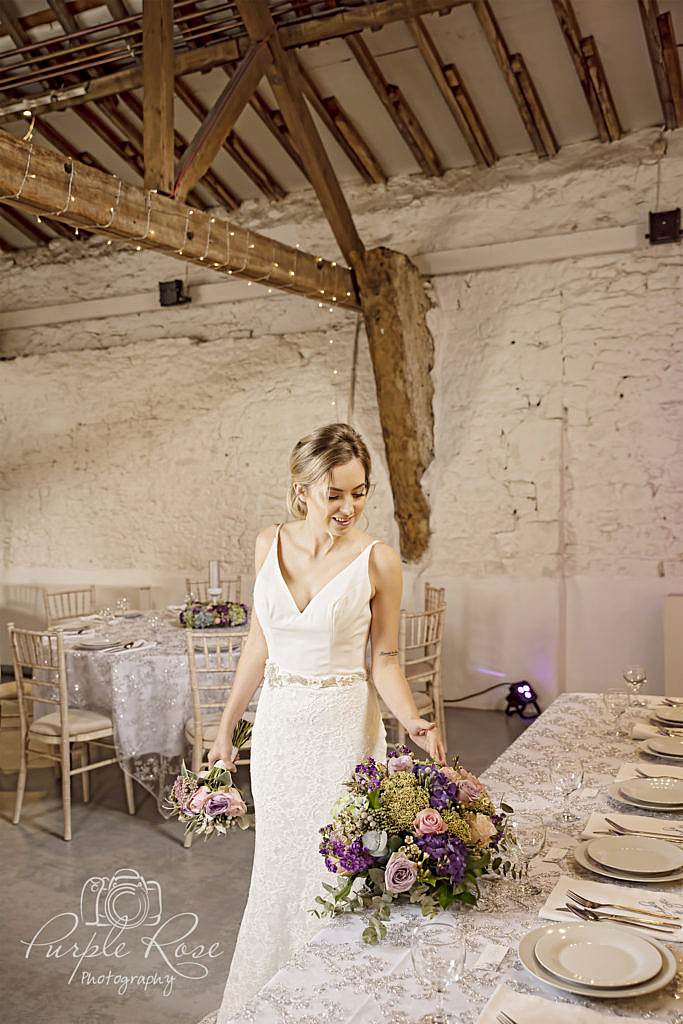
x,y
125,900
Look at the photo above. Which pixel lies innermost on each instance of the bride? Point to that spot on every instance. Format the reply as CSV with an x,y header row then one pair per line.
x,y
322,586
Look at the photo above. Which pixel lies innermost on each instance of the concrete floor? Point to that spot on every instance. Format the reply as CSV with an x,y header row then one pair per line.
x,y
69,979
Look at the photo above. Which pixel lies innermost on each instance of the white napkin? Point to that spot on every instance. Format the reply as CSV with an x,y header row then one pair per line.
x,y
526,1009
598,824
632,770
663,903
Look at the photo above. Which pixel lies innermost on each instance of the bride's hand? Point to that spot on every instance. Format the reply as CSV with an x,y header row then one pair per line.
x,y
426,735
221,750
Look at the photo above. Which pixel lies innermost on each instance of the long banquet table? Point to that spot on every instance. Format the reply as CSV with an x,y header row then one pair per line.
x,y
338,978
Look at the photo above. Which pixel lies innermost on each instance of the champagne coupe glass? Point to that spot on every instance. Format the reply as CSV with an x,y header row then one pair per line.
x,y
636,677
527,833
616,702
566,776
438,953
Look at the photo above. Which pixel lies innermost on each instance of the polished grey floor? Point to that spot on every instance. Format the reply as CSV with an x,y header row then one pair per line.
x,y
68,975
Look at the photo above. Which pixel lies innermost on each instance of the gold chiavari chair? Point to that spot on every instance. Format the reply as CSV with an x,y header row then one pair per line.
x,y
435,597
419,651
62,605
41,653
231,589
219,655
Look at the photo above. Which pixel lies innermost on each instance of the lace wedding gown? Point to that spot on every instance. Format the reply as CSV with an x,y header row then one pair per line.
x,y
317,716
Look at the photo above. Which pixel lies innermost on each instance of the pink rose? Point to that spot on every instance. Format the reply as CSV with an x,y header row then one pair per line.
x,y
402,763
482,828
199,799
400,873
429,823
469,786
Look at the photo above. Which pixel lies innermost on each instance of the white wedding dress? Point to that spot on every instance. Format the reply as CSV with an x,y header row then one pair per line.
x,y
318,715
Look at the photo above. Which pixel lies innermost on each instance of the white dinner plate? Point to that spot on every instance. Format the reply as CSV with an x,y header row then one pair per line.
x,y
638,855
667,746
615,793
666,714
582,857
133,614
663,790
526,953
95,645
598,955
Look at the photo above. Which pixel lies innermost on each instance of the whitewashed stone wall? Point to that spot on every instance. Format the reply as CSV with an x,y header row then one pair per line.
x,y
138,445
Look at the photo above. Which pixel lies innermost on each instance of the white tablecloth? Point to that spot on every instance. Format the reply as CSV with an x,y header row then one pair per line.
x,y
337,978
147,693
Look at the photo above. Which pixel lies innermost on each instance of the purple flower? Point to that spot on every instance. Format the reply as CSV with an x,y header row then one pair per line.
x,y
354,858
367,776
443,794
225,803
447,855
468,791
399,750
400,873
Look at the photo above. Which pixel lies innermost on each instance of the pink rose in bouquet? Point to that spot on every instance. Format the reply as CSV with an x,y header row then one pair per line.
x,y
482,828
198,800
429,823
469,786
401,763
400,873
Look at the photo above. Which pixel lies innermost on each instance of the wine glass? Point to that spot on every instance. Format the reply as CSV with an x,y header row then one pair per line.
x,y
566,776
616,702
527,833
636,677
438,953
155,622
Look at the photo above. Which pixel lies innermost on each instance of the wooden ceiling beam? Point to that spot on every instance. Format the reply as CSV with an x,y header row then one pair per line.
x,y
396,105
219,122
158,81
170,227
358,18
458,100
234,146
649,14
519,83
286,85
672,63
343,131
589,69
224,195
29,228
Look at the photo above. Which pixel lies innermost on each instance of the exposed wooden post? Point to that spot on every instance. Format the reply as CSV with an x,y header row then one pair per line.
x,y
158,75
458,101
395,305
672,62
101,203
649,14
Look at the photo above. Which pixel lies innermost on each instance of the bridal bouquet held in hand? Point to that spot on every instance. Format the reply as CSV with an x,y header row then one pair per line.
x,y
409,829
207,802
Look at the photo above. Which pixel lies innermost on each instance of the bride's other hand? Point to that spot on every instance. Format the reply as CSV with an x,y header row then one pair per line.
x,y
221,751
426,735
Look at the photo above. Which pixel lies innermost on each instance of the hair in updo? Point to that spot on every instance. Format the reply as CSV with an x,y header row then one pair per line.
x,y
315,456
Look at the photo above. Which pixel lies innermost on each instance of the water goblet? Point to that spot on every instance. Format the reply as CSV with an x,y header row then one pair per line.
x,y
566,776
122,605
616,703
527,833
438,953
636,677
155,622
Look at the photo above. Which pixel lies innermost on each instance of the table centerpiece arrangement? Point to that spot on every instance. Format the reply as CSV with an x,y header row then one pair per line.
x,y
412,830
213,614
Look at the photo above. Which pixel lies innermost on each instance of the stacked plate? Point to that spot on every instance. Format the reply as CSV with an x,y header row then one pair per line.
x,y
663,793
670,747
600,961
666,715
97,644
632,858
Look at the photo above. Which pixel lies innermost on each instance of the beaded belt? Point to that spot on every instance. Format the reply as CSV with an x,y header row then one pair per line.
x,y
275,675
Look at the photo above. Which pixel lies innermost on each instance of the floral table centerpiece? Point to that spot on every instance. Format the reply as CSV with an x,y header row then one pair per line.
x,y
208,615
409,829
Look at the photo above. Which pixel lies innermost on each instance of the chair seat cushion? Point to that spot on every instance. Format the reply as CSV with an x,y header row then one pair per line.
x,y
81,720
209,732
8,691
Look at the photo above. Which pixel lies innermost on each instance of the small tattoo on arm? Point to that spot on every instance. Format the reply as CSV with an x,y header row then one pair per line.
x,y
389,654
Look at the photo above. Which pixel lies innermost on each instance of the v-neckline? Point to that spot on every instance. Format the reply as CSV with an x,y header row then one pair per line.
x,y
324,587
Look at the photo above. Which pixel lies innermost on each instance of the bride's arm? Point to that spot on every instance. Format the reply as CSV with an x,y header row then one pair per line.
x,y
387,674
250,668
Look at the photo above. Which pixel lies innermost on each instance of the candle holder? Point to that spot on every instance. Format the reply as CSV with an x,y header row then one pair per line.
x,y
214,594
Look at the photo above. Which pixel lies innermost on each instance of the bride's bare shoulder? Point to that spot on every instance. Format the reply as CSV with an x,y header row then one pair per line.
x,y
264,539
384,559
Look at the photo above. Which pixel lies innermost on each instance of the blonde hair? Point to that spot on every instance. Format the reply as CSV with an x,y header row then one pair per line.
x,y
315,456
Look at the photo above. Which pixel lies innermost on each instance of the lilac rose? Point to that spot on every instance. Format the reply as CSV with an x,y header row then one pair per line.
x,y
402,763
230,803
400,873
